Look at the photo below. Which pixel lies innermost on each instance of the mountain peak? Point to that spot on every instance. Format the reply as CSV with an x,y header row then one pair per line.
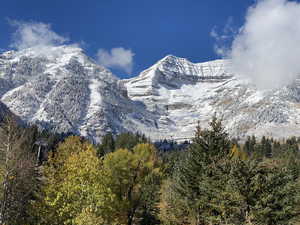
x,y
63,89
50,51
171,64
172,59
169,57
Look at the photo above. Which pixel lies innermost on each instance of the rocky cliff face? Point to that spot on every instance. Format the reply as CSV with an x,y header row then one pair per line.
x,y
60,88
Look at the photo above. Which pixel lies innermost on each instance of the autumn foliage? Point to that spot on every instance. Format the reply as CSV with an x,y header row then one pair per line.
x,y
125,180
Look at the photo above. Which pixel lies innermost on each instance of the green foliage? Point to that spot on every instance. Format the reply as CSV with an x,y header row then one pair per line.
x,y
268,192
192,184
134,178
107,145
73,184
249,146
211,186
265,148
88,216
129,140
213,143
170,160
123,181
80,188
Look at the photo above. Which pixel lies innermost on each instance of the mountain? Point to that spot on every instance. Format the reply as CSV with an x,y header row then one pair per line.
x,y
181,93
60,88
4,112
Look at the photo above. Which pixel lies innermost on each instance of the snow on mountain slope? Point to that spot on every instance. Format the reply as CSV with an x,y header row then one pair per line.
x,y
181,93
66,91
62,89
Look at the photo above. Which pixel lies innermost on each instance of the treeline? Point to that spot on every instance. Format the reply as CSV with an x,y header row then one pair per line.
x,y
128,180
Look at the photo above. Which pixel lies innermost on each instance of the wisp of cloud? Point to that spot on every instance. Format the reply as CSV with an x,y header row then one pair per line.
x,y
266,49
223,40
119,58
41,37
34,34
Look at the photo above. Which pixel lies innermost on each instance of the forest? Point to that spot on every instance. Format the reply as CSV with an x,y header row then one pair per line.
x,y
54,179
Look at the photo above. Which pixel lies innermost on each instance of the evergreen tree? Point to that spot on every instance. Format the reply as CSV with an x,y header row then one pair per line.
x,y
210,187
107,145
249,145
196,176
129,140
292,145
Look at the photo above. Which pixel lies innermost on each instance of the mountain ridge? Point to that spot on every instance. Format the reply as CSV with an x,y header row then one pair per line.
x,y
63,89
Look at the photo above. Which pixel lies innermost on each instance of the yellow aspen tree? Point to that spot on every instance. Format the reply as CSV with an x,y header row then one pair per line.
x,y
131,175
73,184
237,153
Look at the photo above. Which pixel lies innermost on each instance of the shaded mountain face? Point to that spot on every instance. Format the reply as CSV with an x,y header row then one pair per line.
x,y
5,112
60,88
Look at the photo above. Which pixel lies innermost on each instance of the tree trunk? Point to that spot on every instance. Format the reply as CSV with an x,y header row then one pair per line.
x,y
130,218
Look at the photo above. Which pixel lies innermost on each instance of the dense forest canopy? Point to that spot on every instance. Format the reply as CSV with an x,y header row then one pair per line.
x,y
51,179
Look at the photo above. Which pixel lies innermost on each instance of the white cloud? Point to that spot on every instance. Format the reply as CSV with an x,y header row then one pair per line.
x,y
266,50
120,58
34,34
223,37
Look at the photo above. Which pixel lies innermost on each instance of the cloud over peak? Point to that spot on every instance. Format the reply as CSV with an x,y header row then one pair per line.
x,y
41,36
119,58
266,49
33,34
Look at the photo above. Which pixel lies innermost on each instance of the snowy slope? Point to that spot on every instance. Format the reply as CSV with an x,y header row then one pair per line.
x,y
182,93
62,89
66,91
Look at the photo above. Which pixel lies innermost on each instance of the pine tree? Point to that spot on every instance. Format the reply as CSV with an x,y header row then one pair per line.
x,y
197,176
266,147
107,145
292,145
211,186
249,145
129,140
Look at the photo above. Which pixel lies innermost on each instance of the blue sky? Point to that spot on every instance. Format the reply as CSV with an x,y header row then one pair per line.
x,y
151,29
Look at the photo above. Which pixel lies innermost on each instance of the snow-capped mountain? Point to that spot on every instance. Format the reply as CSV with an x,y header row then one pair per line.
x,y
182,93
63,89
